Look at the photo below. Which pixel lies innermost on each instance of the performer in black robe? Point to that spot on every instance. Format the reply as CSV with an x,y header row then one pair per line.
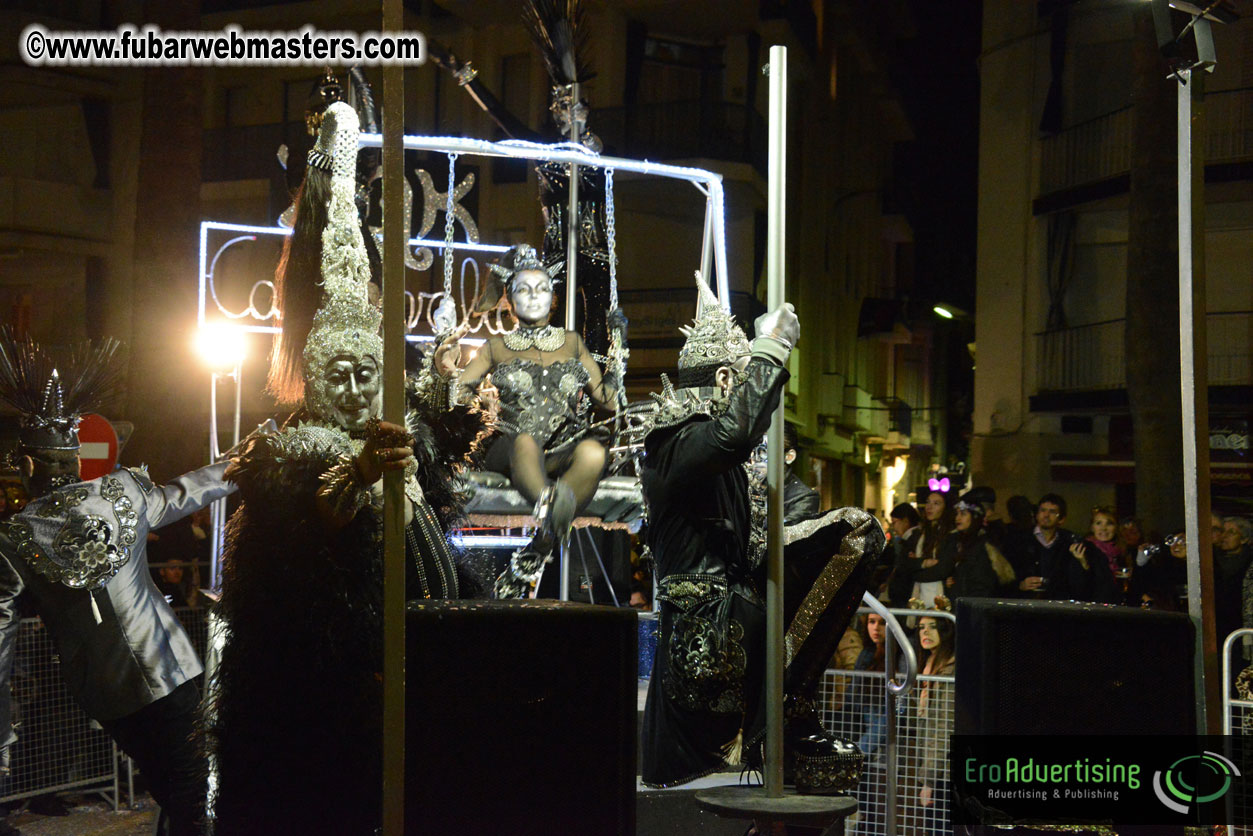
x,y
296,709
707,532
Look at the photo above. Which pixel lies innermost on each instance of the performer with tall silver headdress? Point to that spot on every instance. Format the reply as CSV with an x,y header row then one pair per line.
x,y
548,383
296,730
559,30
78,549
707,532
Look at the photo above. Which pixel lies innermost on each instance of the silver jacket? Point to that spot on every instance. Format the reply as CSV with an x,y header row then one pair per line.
x,y
81,552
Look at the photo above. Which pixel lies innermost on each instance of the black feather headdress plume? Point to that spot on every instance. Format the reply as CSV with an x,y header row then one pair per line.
x,y
52,393
557,27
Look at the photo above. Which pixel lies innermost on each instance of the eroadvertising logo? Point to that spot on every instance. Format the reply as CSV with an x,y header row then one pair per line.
x,y
1119,779
1172,787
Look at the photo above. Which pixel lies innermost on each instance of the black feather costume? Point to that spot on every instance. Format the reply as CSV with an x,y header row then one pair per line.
x,y
298,695
296,702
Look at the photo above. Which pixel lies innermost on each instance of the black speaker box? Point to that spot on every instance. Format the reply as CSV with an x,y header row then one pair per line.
x,y
1065,668
520,718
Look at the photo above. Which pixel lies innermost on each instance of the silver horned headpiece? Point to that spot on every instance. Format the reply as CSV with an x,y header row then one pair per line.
x,y
346,322
500,278
524,257
713,338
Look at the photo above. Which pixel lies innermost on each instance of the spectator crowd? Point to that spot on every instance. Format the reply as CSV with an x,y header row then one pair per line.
x,y
951,547
959,547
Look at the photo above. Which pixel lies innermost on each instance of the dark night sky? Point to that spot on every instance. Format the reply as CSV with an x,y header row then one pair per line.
x,y
937,76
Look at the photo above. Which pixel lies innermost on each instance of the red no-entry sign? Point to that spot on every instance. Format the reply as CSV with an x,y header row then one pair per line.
x,y
97,446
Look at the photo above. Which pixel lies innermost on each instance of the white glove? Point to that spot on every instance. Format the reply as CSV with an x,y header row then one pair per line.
x,y
780,324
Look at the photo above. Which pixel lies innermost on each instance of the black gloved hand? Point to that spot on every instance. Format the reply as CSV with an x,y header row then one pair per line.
x,y
617,321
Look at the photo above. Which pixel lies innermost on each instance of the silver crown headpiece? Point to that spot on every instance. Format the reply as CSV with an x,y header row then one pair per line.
x,y
713,338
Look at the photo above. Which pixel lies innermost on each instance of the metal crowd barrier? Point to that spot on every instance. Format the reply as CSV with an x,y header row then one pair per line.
x,y
854,705
1237,715
59,747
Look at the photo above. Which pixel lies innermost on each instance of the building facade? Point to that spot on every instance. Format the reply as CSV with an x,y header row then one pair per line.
x,y
1056,163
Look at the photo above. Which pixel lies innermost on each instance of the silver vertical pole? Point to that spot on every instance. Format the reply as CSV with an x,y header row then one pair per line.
x,y
776,224
572,221
239,396
1194,401
706,243
216,521
394,412
563,552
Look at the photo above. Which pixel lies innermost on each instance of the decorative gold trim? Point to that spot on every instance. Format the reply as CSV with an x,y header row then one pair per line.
x,y
833,575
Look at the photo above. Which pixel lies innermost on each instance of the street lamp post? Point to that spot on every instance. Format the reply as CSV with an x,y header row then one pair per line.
x,y
1190,72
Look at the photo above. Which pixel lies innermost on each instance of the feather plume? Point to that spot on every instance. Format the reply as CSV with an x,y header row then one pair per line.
x,y
88,372
558,30
24,370
363,100
92,375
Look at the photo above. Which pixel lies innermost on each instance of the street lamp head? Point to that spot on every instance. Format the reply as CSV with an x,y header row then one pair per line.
x,y
1172,39
1221,11
942,312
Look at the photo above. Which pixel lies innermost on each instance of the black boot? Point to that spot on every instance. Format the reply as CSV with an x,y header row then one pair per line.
x,y
815,760
554,512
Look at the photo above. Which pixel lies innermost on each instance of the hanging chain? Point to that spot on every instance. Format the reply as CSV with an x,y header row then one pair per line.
x,y
448,225
618,352
611,229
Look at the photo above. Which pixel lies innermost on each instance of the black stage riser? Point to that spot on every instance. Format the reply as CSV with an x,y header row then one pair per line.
x,y
1053,668
520,719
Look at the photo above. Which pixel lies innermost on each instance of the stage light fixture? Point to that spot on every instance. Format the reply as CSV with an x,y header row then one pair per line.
x,y
221,347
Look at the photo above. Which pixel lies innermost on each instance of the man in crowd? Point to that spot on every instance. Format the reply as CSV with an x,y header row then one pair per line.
x,y
1040,572
79,550
906,529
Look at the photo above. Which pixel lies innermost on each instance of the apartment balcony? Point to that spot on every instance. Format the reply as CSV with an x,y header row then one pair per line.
x,y
1086,365
684,130
1092,159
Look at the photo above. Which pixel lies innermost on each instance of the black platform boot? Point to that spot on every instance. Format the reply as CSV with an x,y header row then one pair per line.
x,y
815,760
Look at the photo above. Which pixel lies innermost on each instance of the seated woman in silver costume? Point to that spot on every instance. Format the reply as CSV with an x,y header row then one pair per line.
x,y
548,383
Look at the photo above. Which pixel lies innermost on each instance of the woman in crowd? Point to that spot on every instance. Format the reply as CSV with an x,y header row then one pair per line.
x,y
865,712
1100,556
1098,559
934,716
1160,574
979,568
1103,534
926,562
